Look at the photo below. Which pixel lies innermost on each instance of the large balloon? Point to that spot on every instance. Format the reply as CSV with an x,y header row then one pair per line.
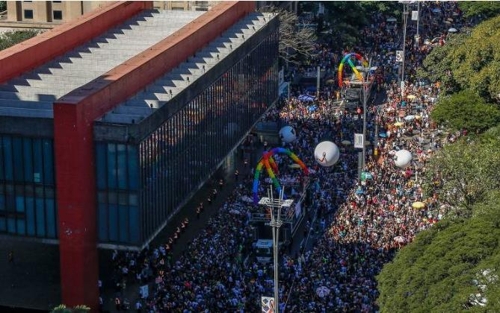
x,y
402,158
287,134
326,153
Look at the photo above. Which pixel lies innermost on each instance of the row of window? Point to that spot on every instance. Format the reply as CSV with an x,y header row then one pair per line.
x,y
28,216
57,15
26,160
27,187
182,153
117,173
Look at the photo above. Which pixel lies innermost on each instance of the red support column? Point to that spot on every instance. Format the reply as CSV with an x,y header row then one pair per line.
x,y
76,203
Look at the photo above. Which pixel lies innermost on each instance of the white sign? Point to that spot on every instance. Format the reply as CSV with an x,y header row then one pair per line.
x,y
358,141
267,304
414,15
399,55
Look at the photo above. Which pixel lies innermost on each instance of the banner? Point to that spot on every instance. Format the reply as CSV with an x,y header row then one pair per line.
x,y
267,304
358,141
399,55
414,15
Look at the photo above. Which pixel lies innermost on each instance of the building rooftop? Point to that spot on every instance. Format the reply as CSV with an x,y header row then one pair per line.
x,y
164,89
32,93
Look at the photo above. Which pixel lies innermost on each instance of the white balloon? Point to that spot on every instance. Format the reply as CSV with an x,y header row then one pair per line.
x,y
402,158
287,134
326,153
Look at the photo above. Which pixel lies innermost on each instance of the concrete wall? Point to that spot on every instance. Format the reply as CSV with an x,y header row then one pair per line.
x,y
38,50
27,126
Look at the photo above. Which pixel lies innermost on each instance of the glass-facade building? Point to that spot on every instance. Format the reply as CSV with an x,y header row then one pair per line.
x,y
141,184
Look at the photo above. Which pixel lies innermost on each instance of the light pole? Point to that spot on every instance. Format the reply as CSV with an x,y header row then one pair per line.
x,y
366,84
318,80
365,100
405,20
418,20
275,206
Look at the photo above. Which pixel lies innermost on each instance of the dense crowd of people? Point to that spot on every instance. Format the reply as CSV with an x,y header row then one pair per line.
x,y
359,223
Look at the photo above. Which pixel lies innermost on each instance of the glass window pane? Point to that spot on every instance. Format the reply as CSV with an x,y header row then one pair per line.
x,y
48,162
3,224
37,161
17,153
7,154
30,216
11,225
21,227
133,199
28,160
124,216
20,203
111,166
112,197
103,222
40,218
101,165
121,151
51,218
113,222
2,172
134,220
133,168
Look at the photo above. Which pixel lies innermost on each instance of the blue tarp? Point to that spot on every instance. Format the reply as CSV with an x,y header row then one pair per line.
x,y
305,98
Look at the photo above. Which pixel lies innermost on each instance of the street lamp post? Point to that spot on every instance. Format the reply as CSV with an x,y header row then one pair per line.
x,y
367,83
365,100
405,20
418,20
275,206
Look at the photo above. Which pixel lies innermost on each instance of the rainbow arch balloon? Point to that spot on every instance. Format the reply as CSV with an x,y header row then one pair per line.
x,y
347,58
268,162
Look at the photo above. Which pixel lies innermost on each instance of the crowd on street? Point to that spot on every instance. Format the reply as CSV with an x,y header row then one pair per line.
x,y
358,224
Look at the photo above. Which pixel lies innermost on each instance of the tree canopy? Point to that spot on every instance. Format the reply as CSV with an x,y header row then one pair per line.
x,y
451,267
466,171
11,38
454,265
485,9
468,60
466,110
348,17
294,42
